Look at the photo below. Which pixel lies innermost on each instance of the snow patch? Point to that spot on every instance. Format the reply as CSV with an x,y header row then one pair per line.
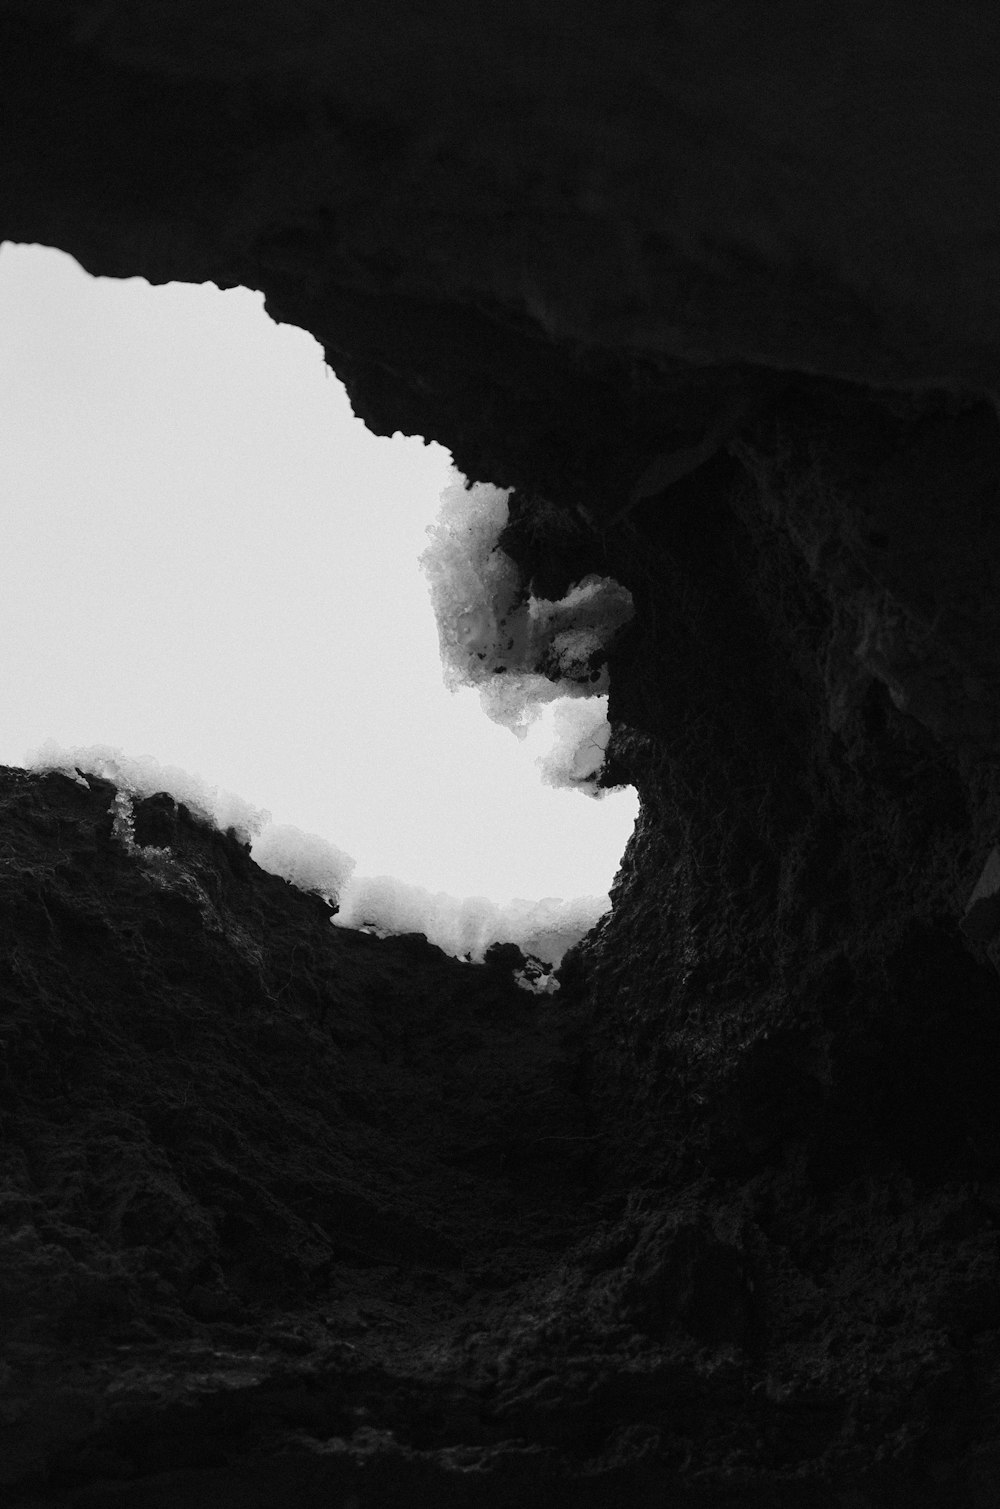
x,y
141,776
304,859
466,928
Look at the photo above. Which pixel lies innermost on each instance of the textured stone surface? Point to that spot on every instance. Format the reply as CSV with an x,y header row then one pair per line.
x,y
292,1217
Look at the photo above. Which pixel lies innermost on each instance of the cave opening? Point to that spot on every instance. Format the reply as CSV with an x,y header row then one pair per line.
x,y
211,561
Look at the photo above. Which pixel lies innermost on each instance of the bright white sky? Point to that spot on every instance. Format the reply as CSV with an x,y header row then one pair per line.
x,y
206,558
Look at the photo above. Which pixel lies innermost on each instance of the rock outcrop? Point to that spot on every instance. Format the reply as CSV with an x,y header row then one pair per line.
x,y
292,1216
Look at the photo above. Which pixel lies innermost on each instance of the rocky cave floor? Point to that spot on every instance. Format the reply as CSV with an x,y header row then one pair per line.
x,y
293,1215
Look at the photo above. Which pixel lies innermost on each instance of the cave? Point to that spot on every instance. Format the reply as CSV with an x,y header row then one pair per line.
x,y
293,1216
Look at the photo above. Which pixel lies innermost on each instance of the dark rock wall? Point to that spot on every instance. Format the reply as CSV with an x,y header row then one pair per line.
x,y
715,289
806,707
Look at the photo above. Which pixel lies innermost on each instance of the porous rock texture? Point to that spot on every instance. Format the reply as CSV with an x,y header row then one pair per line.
x,y
297,1217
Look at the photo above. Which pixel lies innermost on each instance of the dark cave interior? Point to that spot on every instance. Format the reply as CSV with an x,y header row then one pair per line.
x,y
292,1216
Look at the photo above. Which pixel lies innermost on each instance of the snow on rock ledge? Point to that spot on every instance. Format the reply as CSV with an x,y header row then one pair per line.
x,y
466,928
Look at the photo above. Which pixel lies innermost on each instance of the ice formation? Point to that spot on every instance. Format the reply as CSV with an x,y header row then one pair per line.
x,y
582,732
519,651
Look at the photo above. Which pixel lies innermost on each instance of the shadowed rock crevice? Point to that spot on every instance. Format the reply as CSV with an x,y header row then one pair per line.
x,y
291,1216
